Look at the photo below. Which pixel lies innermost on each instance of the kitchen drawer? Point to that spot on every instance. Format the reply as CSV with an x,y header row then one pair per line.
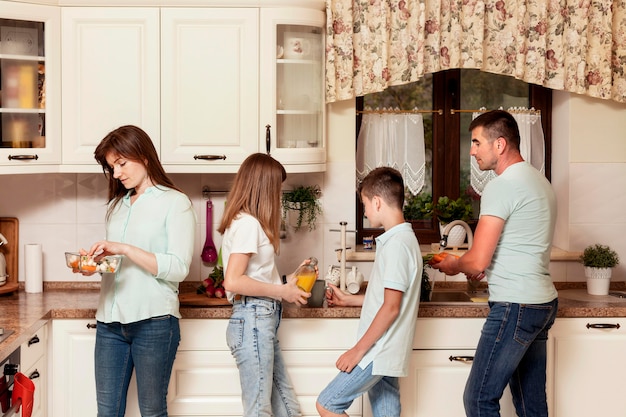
x,y
34,348
294,334
447,333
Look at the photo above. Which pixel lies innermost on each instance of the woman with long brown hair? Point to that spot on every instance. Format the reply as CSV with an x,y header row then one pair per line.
x,y
250,227
152,224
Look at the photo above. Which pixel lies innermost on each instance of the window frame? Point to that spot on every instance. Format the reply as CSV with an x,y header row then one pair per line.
x,y
446,136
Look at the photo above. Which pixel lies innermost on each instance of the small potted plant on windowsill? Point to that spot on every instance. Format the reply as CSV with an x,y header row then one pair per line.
x,y
447,210
302,206
598,261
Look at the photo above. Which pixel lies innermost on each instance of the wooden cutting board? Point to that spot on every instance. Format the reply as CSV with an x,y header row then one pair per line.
x,y
9,227
201,300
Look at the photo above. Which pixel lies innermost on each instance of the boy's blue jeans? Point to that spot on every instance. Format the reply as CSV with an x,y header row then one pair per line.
x,y
511,350
147,346
251,335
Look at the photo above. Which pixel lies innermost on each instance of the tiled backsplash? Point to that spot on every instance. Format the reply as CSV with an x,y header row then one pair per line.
x,y
66,212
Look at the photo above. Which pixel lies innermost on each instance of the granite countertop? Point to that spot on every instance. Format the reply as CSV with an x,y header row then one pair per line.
x,y
25,313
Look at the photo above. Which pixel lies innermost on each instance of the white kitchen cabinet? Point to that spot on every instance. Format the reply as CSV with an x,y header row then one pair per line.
x,y
439,367
587,366
209,84
292,87
202,81
205,380
73,386
34,364
110,77
30,85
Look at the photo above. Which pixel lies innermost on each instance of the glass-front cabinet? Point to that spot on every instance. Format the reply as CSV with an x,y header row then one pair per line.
x,y
28,85
292,87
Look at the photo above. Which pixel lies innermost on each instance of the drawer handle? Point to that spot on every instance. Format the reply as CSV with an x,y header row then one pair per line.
x,y
456,358
603,326
34,375
33,340
209,157
91,325
23,157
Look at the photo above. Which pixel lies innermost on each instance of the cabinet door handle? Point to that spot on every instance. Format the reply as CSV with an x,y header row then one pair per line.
x,y
457,358
268,138
23,157
34,375
91,325
33,340
209,157
603,326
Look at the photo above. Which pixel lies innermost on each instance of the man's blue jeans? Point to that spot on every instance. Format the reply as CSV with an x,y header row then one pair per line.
x,y
149,347
511,350
266,388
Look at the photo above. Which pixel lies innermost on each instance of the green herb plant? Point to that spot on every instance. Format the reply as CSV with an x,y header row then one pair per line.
x,y
304,200
447,209
599,256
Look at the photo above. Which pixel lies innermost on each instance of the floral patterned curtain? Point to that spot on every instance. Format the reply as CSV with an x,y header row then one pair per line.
x,y
573,45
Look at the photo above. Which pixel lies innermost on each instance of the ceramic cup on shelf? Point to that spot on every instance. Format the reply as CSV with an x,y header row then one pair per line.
x,y
296,47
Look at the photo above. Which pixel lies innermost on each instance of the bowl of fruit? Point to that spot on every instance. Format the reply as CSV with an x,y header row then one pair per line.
x,y
88,263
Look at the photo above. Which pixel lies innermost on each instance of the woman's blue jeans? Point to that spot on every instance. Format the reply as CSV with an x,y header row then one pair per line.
x,y
511,350
251,335
147,346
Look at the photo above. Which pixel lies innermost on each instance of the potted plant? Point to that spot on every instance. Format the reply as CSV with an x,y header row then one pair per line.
x,y
417,207
598,261
302,206
447,210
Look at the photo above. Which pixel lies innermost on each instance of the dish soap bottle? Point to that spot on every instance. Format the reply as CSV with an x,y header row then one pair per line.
x,y
306,275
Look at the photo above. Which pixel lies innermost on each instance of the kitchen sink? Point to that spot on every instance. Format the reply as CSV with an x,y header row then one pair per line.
x,y
455,296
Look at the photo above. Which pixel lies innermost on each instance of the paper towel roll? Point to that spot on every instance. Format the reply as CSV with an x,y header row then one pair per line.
x,y
33,268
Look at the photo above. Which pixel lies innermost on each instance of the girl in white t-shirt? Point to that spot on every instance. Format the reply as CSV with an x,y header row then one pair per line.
x,y
250,229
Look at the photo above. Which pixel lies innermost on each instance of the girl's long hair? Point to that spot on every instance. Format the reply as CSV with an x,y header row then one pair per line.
x,y
256,190
132,143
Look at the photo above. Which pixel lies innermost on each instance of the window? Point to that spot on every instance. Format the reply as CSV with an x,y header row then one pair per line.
x,y
447,140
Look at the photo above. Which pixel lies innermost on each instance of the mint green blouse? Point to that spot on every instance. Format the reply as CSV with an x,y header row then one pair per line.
x,y
161,221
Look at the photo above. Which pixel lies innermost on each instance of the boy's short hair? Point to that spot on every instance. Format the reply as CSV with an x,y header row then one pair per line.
x,y
386,183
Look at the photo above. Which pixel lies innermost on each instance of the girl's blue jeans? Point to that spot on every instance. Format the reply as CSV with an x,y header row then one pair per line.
x,y
147,346
511,350
251,335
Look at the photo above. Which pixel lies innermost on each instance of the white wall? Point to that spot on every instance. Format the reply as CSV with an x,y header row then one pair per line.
x,y
66,211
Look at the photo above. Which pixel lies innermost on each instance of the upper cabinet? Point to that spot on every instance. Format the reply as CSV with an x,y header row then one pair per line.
x,y
110,77
210,85
29,87
292,87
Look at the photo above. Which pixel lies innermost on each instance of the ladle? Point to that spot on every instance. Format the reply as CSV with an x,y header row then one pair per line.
x,y
209,253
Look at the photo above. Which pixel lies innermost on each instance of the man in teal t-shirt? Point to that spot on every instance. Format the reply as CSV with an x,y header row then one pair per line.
x,y
512,249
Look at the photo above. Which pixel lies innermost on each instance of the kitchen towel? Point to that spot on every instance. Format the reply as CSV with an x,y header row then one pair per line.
x,y
33,267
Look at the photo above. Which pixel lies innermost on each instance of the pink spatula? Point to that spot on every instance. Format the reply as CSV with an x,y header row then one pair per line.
x,y
209,253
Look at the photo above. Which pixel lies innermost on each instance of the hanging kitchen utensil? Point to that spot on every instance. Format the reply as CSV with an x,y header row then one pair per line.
x,y
209,253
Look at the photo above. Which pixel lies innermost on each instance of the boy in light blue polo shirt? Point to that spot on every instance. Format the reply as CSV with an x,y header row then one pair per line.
x,y
389,306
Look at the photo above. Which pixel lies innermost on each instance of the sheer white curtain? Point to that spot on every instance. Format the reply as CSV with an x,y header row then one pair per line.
x,y
395,140
532,146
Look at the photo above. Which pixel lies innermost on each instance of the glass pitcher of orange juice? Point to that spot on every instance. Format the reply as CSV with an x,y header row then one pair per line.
x,y
306,275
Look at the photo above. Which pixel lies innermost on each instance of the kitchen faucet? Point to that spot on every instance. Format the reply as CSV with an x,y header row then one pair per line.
x,y
472,286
